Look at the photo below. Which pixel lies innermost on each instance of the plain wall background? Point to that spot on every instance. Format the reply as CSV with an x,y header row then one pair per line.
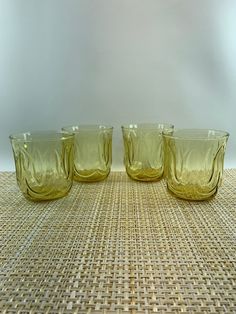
x,y
113,62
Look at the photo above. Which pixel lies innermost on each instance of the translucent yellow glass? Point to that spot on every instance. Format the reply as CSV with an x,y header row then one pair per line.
x,y
195,160
143,150
93,152
44,164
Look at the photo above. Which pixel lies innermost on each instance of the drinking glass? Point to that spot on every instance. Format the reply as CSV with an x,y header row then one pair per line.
x,y
195,162
143,150
44,163
93,151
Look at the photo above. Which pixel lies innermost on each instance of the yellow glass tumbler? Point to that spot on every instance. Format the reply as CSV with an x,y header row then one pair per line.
x,y
44,163
93,151
195,162
144,151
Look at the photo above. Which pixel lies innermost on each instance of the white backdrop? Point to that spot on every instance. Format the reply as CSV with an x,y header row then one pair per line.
x,y
117,61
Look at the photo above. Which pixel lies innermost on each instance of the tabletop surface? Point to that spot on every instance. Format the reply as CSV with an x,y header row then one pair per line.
x,y
118,246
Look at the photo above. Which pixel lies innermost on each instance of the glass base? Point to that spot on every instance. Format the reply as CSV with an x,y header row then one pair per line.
x,y
193,192
93,175
146,175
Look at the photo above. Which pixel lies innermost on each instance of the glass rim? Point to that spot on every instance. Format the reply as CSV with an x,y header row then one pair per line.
x,y
197,134
87,127
47,135
147,126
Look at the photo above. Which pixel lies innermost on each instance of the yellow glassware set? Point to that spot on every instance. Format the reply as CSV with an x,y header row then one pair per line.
x,y
190,160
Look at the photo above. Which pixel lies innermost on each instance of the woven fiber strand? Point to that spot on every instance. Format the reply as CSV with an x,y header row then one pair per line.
x,y
118,246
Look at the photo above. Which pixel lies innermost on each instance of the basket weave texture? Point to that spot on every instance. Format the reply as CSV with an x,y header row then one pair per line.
x,y
118,246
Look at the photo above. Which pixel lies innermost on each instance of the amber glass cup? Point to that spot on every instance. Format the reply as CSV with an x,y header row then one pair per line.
x,y
44,163
144,151
195,160
93,151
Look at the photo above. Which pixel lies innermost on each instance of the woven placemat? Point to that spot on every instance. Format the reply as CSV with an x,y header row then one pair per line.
x,y
118,246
